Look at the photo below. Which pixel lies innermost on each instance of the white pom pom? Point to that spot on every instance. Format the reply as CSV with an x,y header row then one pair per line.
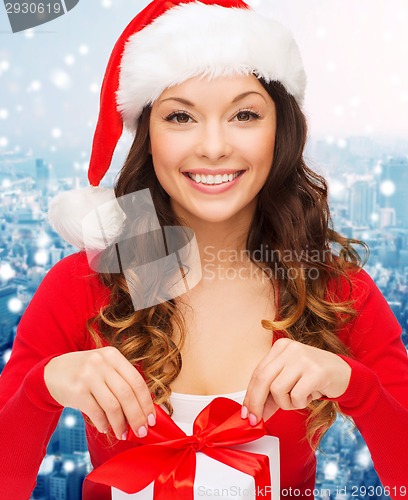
x,y
87,218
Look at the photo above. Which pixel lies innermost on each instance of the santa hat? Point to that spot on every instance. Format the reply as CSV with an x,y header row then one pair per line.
x,y
167,43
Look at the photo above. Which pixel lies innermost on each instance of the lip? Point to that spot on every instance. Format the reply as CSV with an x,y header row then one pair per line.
x,y
214,188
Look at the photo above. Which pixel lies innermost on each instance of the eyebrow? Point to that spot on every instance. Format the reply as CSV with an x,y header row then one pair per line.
x,y
189,103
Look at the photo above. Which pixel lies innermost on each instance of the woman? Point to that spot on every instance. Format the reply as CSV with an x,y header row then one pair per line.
x,y
282,323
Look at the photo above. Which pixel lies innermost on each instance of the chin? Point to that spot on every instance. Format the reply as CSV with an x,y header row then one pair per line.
x,y
216,217
212,213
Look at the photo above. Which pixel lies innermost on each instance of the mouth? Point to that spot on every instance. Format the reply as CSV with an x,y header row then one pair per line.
x,y
209,180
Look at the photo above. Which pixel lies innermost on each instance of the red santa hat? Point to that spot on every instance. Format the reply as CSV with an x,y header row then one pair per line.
x,y
167,43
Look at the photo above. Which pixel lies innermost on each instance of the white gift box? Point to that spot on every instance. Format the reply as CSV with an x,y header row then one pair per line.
x,y
215,479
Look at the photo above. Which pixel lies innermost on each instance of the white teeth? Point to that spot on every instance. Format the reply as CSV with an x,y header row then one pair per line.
x,y
213,179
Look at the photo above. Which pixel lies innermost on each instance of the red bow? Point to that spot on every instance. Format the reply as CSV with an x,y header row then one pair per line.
x,y
168,456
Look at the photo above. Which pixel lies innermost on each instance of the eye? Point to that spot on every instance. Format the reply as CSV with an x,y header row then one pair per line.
x,y
178,117
245,115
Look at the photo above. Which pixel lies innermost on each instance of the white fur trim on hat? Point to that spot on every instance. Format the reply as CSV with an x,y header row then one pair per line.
x,y
87,218
209,40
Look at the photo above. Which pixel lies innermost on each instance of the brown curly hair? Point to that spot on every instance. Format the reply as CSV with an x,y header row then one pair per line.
x,y
292,217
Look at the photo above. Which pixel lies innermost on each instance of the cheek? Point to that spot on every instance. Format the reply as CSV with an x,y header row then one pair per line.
x,y
166,160
269,151
262,147
166,149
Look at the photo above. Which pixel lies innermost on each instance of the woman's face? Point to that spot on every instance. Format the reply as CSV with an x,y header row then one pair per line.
x,y
213,131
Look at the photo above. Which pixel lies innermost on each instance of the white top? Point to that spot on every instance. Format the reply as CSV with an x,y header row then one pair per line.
x,y
187,406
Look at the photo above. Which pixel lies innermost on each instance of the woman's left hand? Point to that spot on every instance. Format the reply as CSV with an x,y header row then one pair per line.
x,y
291,376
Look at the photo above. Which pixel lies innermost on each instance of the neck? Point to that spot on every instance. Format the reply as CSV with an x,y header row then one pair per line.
x,y
222,245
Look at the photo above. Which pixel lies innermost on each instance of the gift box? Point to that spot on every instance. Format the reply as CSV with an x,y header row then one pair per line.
x,y
215,479
224,456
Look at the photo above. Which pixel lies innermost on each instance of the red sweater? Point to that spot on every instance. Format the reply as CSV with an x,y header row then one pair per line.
x,y
54,324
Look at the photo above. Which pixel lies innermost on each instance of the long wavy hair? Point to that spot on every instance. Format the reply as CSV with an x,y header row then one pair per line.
x,y
292,217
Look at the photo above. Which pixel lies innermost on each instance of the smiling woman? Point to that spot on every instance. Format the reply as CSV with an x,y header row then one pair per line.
x,y
297,333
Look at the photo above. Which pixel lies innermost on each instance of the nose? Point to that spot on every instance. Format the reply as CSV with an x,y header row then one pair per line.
x,y
213,142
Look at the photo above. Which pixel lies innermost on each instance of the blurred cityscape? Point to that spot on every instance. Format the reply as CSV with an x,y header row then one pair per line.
x,y
369,200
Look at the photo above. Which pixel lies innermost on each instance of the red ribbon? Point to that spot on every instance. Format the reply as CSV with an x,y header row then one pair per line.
x,y
167,455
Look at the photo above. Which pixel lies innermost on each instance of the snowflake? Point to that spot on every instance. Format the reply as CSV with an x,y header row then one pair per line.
x,y
61,79
41,257
15,305
69,466
69,60
83,50
56,133
94,88
387,188
34,86
4,65
70,421
6,271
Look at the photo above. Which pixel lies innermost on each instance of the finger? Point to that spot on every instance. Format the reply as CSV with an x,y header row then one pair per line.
x,y
258,391
280,356
277,349
137,383
129,403
304,391
282,387
267,370
316,395
112,408
98,417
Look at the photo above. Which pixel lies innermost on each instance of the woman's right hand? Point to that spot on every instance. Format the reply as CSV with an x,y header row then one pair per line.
x,y
105,386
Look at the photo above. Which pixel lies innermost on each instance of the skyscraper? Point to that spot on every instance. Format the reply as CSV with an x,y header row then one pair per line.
x,y
394,179
72,432
42,175
387,217
362,201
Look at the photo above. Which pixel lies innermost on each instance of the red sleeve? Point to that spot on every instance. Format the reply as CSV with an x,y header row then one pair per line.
x,y
53,324
377,395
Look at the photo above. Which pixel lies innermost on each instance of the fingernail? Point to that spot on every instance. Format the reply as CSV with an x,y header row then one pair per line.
x,y
124,436
151,419
142,431
252,419
244,412
105,431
